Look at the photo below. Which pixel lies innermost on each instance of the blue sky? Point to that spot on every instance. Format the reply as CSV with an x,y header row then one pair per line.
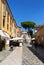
x,y
27,10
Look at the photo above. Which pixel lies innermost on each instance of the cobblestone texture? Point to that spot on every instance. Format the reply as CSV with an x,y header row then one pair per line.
x,y
4,54
15,58
29,58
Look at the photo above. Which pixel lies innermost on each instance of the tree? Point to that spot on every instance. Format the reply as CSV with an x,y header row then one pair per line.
x,y
28,25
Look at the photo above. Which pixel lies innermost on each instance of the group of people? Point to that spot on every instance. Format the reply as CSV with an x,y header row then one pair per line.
x,y
12,44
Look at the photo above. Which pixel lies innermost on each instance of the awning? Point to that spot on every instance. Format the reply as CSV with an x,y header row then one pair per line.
x,y
2,34
7,35
17,38
24,32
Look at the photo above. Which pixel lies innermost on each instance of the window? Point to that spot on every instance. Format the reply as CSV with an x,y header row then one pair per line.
x,y
7,17
14,31
4,9
7,26
10,28
10,25
3,21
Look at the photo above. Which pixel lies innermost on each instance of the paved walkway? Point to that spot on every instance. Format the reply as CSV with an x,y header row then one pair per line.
x,y
39,51
15,58
29,58
4,54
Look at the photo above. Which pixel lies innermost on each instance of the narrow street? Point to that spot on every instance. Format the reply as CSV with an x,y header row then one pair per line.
x,y
22,56
29,58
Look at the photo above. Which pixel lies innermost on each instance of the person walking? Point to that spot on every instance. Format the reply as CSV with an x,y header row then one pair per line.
x,y
36,43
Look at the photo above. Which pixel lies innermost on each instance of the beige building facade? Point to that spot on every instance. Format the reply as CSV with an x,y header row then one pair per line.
x,y
18,31
7,21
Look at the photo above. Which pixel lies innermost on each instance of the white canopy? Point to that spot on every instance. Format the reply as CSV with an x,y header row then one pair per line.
x,y
7,35
24,32
2,34
17,38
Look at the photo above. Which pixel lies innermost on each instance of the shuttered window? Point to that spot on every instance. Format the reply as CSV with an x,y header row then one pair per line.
x,y
3,21
4,9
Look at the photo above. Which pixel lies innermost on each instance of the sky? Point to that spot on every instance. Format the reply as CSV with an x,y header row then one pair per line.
x,y
27,10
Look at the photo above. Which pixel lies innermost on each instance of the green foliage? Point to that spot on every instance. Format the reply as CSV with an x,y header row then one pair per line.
x,y
27,24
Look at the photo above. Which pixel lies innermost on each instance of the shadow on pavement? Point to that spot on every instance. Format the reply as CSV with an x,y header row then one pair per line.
x,y
35,53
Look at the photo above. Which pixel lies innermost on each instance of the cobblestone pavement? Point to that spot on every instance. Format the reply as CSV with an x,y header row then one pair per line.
x,y
29,58
4,54
15,58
